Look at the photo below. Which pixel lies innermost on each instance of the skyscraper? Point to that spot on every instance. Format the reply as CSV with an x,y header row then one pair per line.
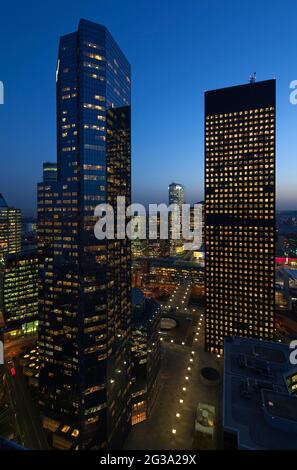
x,y
239,212
85,283
176,195
10,229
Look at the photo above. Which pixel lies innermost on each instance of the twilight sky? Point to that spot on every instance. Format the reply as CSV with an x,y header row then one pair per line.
x,y
177,49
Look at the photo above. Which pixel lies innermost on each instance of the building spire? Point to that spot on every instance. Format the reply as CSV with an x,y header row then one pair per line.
x,y
253,77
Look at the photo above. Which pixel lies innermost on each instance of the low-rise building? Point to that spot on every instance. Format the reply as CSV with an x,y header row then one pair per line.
x,y
259,400
146,354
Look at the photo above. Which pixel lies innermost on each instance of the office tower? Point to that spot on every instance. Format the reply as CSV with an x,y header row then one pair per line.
x,y
176,194
10,229
85,283
239,212
50,172
19,292
146,354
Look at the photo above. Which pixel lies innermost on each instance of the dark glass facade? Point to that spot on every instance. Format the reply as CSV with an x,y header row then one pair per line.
x,y
85,284
239,213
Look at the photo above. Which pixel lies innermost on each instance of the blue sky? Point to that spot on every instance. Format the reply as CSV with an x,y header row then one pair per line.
x,y
177,49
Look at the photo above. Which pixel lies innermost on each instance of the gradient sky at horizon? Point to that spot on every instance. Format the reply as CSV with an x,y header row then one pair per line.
x,y
177,49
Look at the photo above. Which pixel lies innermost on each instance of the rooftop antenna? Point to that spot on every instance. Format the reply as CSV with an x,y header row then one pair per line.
x,y
253,77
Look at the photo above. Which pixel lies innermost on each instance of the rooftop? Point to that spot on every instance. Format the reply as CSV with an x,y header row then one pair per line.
x,y
145,316
258,404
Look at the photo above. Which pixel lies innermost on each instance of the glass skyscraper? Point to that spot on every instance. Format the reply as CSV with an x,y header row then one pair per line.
x,y
239,213
85,283
176,194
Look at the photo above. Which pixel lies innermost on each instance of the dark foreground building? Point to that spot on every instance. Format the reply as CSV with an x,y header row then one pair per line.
x,y
146,354
239,212
260,396
85,283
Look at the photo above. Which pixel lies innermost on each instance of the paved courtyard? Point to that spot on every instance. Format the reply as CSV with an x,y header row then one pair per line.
x,y
156,433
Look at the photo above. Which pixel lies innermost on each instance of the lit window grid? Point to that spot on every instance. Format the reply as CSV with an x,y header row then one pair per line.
x,y
240,183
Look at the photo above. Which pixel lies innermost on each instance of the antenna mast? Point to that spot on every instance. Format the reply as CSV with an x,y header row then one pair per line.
x,y
253,77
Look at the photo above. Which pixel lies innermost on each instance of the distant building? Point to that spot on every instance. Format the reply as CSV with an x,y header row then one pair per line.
x,y
197,224
260,396
156,246
283,279
176,195
172,271
201,220
29,227
146,354
10,229
19,292
50,170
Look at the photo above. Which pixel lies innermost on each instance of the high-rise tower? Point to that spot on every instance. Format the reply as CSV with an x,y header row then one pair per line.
x,y
176,195
239,212
85,283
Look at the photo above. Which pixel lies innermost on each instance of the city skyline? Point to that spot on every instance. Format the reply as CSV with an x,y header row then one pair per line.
x,y
135,321
161,100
